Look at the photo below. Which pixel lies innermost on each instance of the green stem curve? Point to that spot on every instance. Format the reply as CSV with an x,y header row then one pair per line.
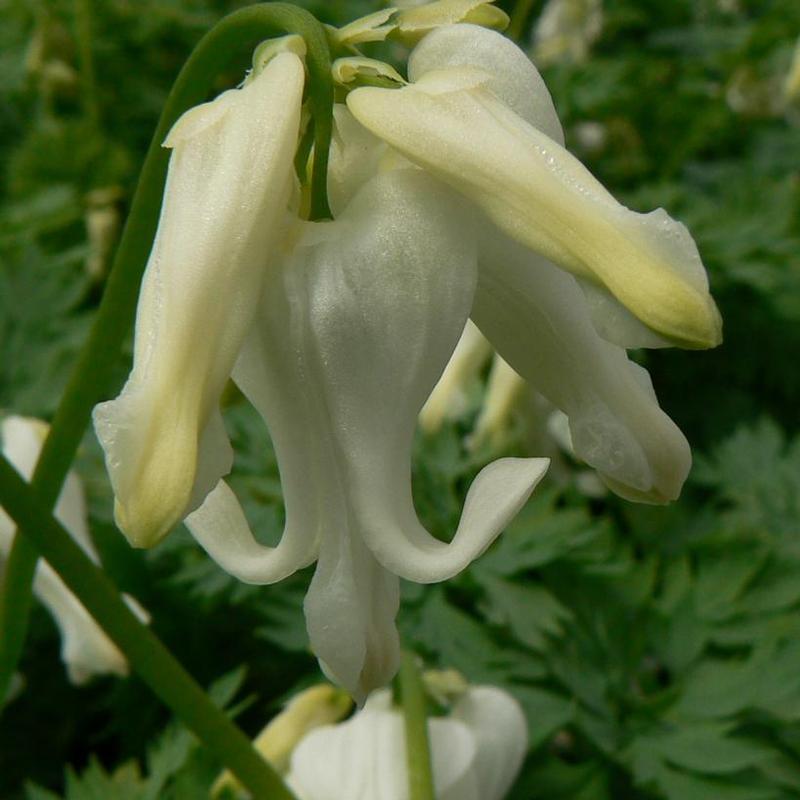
x,y
93,373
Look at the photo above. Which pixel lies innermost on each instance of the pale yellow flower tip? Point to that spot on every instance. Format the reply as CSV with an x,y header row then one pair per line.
x,y
159,494
320,705
450,124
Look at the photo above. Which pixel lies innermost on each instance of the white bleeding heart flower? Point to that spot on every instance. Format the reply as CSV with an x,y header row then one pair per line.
x,y
337,331
476,751
85,648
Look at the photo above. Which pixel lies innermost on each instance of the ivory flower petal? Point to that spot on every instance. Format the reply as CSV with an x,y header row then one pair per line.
x,y
85,648
413,23
364,758
452,124
227,189
354,158
476,752
314,707
498,725
511,75
616,424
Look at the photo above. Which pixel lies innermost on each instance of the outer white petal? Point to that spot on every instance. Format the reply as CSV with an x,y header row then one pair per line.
x,y
422,19
386,320
451,124
403,546
537,318
227,188
447,398
376,308
365,758
500,729
221,527
85,648
514,79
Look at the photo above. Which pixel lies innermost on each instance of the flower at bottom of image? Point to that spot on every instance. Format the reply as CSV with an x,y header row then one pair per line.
x,y
477,745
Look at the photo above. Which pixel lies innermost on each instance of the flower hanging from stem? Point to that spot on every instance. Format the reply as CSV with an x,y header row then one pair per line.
x,y
454,199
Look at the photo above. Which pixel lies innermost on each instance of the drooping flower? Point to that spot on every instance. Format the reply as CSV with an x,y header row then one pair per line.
x,y
354,330
476,751
337,331
480,118
85,648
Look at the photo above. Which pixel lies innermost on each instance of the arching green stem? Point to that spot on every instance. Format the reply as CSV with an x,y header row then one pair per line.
x,y
92,375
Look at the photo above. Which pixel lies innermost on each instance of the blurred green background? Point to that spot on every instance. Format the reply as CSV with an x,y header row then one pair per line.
x,y
655,651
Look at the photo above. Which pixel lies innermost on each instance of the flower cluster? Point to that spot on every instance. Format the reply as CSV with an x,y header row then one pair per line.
x,y
453,199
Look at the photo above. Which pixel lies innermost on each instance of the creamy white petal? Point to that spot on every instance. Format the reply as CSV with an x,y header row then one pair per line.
x,y
617,324
364,758
402,545
220,526
228,185
386,318
500,730
85,648
350,609
447,399
537,318
452,125
514,79
421,20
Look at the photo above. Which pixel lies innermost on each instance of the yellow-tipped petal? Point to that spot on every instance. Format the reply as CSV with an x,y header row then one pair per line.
x,y
227,190
541,195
